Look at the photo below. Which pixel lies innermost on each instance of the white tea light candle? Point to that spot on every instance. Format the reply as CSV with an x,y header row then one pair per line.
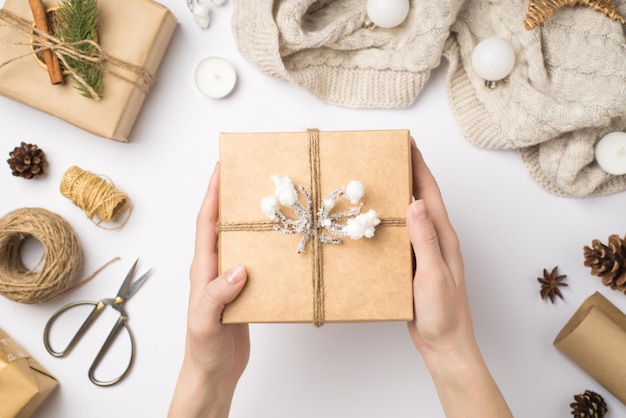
x,y
215,77
611,153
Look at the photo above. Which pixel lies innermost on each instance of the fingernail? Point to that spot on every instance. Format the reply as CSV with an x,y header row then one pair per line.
x,y
235,274
420,211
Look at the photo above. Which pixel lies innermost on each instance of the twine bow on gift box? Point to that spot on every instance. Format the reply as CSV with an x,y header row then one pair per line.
x,y
315,217
65,51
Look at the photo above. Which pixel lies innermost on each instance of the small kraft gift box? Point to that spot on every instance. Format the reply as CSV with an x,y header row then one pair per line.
x,y
24,384
318,219
132,37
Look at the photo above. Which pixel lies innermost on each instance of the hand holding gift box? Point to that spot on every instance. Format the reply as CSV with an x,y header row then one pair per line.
x,y
442,330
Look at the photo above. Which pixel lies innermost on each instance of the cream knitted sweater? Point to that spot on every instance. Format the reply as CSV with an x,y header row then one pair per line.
x,y
567,90
323,47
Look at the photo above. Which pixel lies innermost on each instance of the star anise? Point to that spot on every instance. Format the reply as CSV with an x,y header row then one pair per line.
x,y
550,283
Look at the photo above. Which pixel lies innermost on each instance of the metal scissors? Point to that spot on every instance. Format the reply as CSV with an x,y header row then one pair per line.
x,y
127,290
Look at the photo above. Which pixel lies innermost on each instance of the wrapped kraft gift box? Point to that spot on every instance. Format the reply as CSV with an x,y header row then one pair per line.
x,y
594,338
24,384
304,274
135,32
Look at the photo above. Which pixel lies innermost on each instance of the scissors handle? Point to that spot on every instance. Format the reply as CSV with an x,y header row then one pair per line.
x,y
97,309
121,323
93,315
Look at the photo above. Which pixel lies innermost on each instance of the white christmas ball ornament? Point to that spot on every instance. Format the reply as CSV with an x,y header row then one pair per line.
x,y
493,59
387,13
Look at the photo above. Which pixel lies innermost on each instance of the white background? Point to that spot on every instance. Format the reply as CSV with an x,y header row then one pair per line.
x,y
510,230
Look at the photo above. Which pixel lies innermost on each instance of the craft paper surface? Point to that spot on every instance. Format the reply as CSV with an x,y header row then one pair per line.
x,y
363,280
24,384
135,31
594,339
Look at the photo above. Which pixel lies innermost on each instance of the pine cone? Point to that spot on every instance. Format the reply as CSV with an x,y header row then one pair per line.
x,y
608,262
588,405
27,161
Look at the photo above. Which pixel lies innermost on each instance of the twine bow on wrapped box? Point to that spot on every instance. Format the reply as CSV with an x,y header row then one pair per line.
x,y
317,221
71,51
132,39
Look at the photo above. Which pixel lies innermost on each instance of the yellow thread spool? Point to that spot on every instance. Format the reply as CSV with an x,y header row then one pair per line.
x,y
96,196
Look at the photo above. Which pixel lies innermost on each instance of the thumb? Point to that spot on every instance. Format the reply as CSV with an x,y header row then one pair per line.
x,y
224,289
423,235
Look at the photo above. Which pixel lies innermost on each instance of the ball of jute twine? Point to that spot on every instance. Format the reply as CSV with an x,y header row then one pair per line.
x,y
61,260
56,271
96,196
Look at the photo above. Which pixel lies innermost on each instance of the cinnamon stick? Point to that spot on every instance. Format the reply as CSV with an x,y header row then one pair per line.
x,y
50,59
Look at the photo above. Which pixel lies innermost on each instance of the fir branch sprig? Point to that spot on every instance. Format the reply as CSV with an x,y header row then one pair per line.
x,y
76,21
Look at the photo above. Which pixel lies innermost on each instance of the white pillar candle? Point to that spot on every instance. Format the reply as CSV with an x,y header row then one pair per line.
x,y
215,77
611,153
387,13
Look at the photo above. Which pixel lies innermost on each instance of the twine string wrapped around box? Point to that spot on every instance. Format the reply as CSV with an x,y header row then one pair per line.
x,y
61,261
317,254
42,41
317,260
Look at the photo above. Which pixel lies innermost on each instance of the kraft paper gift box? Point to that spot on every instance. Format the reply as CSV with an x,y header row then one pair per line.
x,y
24,384
594,338
137,32
368,279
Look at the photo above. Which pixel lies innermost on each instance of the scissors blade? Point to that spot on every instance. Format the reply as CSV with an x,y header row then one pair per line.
x,y
137,284
124,289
